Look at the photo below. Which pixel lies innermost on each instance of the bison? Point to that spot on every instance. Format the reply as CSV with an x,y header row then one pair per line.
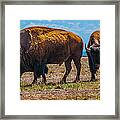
x,y
93,53
40,46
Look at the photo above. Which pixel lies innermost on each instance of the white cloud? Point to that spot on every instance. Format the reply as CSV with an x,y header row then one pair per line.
x,y
30,25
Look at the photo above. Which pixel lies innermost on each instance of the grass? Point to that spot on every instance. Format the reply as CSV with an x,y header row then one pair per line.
x,y
77,86
83,90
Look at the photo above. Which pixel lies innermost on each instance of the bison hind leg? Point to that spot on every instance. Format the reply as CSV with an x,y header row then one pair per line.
x,y
78,67
68,69
92,77
77,62
93,72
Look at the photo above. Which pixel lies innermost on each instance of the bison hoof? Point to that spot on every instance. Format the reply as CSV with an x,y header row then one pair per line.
x,y
75,81
92,80
63,82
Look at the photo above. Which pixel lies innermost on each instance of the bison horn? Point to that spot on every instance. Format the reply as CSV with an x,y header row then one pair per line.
x,y
86,48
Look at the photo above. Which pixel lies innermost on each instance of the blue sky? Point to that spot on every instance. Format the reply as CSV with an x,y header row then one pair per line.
x,y
82,28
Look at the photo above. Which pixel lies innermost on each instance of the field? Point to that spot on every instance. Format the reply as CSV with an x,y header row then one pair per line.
x,y
83,90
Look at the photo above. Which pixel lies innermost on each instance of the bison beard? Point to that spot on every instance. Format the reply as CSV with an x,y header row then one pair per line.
x,y
41,46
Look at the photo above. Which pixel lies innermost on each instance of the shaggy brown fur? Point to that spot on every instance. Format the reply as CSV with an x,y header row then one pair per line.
x,y
43,45
93,52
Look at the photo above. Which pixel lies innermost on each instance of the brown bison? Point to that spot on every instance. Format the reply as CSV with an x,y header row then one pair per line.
x,y
40,46
93,53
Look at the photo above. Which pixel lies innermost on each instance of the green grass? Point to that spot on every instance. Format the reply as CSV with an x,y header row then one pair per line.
x,y
69,91
78,86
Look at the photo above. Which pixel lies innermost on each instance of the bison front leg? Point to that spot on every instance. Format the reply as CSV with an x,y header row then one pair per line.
x,y
44,71
68,69
35,79
93,72
92,76
92,67
35,73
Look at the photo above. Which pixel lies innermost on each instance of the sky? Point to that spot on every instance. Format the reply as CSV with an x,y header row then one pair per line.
x,y
83,28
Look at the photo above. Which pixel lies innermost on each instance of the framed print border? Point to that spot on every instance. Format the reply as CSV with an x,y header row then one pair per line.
x,y
65,2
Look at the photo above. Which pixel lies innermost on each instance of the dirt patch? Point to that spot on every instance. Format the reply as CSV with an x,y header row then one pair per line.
x,y
83,90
